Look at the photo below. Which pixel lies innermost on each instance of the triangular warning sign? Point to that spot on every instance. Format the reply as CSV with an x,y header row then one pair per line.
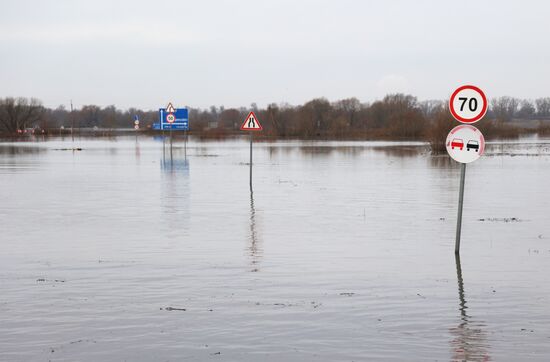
x,y
251,123
170,108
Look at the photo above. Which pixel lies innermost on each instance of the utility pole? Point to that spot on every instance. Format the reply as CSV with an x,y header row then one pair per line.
x,y
72,122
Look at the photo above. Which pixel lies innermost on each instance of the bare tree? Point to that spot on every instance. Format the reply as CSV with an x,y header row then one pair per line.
x,y
109,117
526,109
441,122
350,107
90,115
315,116
397,115
431,107
59,117
19,113
504,108
230,119
543,107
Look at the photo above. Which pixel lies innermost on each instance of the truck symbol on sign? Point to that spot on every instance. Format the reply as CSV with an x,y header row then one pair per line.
x,y
472,145
457,142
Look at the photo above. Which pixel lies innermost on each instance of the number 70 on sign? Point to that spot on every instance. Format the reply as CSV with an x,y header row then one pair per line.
x,y
468,104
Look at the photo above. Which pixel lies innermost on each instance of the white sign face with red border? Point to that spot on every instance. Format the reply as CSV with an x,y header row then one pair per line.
x,y
170,108
251,123
170,118
465,143
468,104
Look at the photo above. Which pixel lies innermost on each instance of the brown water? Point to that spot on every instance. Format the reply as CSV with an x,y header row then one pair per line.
x,y
344,252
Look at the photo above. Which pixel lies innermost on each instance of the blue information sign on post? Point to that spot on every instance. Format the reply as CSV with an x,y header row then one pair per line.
x,y
180,123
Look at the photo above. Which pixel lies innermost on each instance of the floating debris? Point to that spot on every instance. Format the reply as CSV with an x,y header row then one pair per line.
x,y
172,308
83,340
501,219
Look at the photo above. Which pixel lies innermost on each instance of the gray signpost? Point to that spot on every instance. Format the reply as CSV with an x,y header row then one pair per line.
x,y
465,143
251,123
460,204
251,141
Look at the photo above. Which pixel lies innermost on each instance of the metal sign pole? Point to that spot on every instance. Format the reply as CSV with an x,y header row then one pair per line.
x,y
460,204
163,140
251,135
468,104
170,140
185,144
460,288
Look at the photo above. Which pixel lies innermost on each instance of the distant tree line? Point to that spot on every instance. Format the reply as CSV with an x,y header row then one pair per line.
x,y
396,116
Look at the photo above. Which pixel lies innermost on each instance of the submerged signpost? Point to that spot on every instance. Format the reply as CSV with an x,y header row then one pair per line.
x,y
251,123
465,143
173,119
136,125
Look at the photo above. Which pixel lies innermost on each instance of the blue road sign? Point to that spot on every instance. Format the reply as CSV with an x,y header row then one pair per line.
x,y
181,122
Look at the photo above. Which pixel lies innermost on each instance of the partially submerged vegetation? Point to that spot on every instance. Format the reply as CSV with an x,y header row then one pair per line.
x,y
395,117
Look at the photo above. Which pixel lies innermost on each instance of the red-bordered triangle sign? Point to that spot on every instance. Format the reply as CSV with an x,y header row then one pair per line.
x,y
170,108
251,123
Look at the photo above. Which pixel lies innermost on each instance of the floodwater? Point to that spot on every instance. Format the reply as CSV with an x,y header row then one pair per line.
x,y
343,252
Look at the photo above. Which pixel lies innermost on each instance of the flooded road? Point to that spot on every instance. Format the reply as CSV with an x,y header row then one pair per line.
x,y
343,252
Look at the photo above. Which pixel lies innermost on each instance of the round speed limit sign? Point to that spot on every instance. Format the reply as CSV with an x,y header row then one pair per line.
x,y
468,104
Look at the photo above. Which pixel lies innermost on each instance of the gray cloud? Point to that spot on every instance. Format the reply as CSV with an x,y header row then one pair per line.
x,y
142,53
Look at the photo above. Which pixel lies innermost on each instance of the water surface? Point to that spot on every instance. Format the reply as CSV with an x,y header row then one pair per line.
x,y
343,252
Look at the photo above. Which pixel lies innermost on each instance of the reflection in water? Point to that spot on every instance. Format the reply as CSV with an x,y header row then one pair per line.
x,y
175,192
442,161
319,151
138,151
254,250
470,339
322,150
172,162
402,151
14,150
11,159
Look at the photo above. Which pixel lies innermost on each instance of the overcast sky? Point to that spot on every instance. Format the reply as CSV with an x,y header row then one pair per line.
x,y
232,53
